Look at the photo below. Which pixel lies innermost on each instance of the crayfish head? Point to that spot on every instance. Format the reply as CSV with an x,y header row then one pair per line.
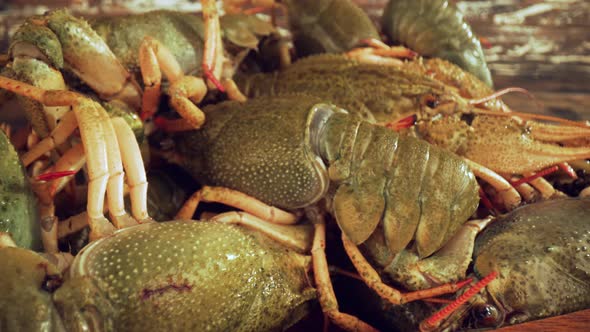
x,y
480,312
486,314
28,280
448,132
443,118
82,307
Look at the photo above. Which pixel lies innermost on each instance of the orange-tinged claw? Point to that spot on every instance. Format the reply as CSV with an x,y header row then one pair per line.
x,y
508,146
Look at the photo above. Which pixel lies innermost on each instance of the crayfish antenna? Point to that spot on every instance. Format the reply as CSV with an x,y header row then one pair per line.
x,y
542,117
433,321
502,92
54,175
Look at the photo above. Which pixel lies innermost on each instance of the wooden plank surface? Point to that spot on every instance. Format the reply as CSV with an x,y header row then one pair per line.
x,y
577,321
542,46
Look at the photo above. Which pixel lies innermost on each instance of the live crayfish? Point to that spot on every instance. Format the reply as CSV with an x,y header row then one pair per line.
x,y
385,191
298,279
453,112
104,55
443,114
339,26
540,254
108,54
18,213
410,22
221,277
126,280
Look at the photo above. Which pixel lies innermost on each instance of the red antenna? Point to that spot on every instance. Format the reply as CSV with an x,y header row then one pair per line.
x,y
54,175
433,321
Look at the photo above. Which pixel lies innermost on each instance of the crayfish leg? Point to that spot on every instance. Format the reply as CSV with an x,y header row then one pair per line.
x,y
62,131
508,194
326,295
213,51
184,91
379,53
71,162
296,237
134,169
101,150
274,222
86,113
452,260
237,200
232,90
116,181
373,280
543,186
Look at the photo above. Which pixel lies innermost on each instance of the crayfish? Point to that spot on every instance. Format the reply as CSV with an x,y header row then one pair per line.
x,y
539,253
18,212
178,275
495,142
440,102
397,198
123,59
314,145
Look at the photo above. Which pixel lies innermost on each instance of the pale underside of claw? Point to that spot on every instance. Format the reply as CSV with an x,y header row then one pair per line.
x,y
507,147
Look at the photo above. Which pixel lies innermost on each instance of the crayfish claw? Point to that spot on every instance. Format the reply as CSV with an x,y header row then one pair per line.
x,y
507,147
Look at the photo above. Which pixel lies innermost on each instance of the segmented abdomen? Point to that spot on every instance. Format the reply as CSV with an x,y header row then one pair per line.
x,y
328,26
413,190
436,28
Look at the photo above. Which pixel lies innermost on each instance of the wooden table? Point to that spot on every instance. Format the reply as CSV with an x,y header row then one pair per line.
x,y
542,46
577,321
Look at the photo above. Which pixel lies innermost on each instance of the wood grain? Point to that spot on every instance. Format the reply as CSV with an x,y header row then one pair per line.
x,y
577,321
542,46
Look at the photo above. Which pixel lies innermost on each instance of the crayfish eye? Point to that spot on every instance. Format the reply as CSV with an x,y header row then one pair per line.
x,y
430,101
51,283
486,315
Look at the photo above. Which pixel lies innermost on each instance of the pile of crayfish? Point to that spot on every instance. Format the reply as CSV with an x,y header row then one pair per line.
x,y
280,160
